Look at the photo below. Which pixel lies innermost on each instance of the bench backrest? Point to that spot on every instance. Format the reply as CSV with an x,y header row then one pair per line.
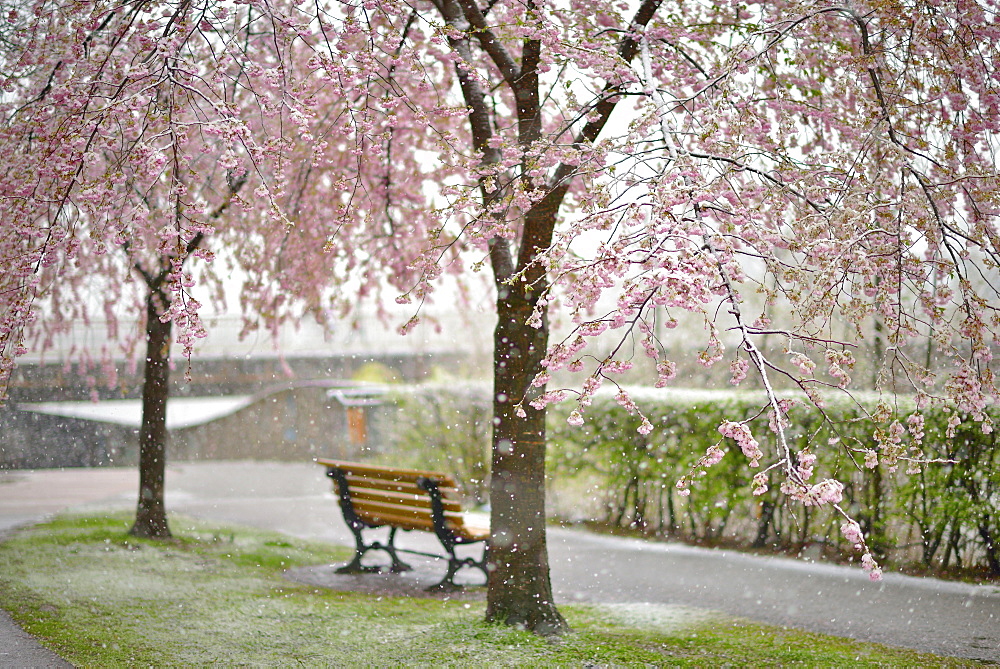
x,y
382,495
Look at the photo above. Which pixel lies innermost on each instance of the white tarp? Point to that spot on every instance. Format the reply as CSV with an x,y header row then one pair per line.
x,y
181,411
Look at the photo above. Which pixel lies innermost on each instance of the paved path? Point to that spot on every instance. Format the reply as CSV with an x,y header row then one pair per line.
x,y
925,614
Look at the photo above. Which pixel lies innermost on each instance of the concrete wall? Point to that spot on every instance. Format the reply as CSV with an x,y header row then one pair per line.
x,y
296,422
39,441
292,424
53,382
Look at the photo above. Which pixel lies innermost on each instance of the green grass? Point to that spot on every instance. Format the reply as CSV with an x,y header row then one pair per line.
x,y
216,595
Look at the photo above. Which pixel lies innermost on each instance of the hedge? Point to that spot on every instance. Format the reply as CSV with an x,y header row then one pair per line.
x,y
939,516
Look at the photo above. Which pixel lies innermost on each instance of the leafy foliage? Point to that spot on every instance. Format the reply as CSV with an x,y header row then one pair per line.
x,y
445,428
935,515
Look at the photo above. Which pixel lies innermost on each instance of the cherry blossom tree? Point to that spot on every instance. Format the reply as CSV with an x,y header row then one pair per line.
x,y
144,137
836,158
619,164
126,143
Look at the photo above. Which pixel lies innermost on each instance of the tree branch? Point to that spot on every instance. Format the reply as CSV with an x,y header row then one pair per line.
x,y
499,55
627,50
539,220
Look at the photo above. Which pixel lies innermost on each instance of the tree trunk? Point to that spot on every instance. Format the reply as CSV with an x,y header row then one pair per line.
x,y
764,524
671,509
520,592
151,515
990,544
519,589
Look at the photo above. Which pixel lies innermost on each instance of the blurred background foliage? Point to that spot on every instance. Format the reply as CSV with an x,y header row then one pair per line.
x,y
935,518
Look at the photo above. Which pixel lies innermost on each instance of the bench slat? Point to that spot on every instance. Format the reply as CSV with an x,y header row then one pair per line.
x,y
403,522
392,487
410,523
388,473
374,507
360,482
403,499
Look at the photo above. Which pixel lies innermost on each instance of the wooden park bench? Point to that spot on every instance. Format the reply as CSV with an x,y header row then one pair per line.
x,y
373,496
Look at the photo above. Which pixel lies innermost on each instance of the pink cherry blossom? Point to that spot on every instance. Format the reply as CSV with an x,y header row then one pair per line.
x,y
692,159
852,532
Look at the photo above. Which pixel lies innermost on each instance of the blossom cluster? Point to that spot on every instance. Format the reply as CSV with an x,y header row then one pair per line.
x,y
740,432
827,491
852,532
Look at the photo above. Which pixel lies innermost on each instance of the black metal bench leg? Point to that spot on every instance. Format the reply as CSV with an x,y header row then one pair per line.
x,y
355,566
398,566
455,563
447,583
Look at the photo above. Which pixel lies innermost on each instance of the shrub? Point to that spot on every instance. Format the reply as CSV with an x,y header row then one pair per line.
x,y
445,427
937,514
